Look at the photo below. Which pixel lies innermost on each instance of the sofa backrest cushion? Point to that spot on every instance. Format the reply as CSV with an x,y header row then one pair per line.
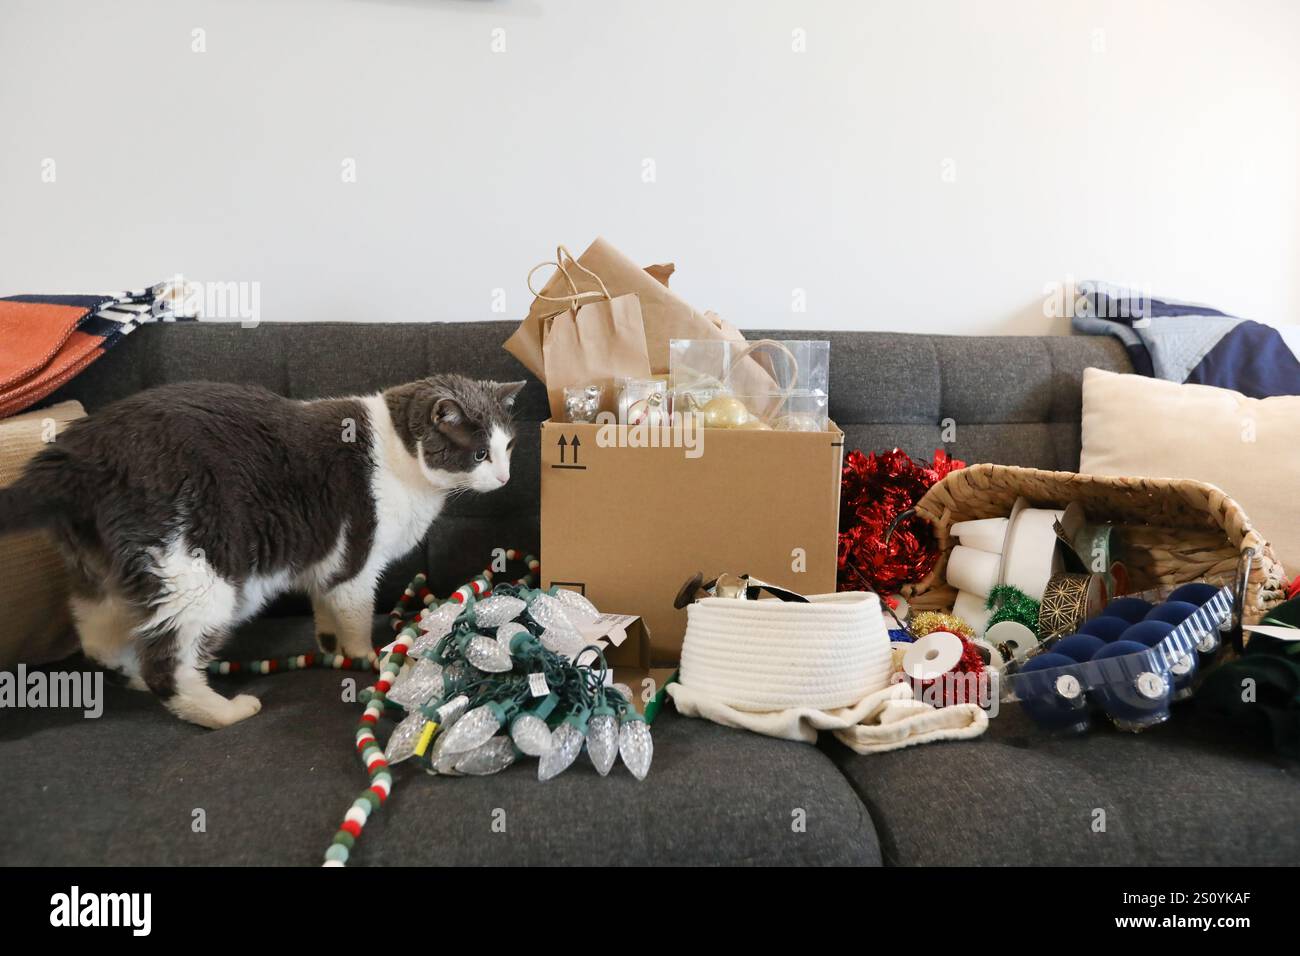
x,y
1014,400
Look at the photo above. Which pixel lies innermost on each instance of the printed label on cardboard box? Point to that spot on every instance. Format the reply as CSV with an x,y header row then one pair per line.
x,y
612,627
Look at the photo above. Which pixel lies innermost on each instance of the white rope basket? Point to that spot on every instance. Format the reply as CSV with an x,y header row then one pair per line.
x,y
775,655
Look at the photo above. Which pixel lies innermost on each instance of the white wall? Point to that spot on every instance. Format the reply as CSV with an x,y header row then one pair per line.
x,y
1149,141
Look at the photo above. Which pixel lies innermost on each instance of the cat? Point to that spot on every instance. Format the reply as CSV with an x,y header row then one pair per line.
x,y
182,510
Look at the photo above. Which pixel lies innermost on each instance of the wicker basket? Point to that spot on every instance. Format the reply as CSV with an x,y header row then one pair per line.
x,y
1166,531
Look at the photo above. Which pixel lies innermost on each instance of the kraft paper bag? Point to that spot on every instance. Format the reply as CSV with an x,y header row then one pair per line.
x,y
665,314
596,339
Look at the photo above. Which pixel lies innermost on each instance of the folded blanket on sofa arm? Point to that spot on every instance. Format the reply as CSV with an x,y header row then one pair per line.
x,y
1184,342
50,339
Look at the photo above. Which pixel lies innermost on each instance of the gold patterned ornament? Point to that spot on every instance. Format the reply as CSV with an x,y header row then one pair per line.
x,y
1067,603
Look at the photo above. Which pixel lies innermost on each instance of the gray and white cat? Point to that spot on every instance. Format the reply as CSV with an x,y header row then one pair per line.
x,y
184,509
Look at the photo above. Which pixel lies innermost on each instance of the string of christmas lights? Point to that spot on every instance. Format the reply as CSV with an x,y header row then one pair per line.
x,y
491,674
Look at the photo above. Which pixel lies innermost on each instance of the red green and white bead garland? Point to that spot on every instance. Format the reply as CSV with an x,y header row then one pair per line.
x,y
597,717
296,662
480,587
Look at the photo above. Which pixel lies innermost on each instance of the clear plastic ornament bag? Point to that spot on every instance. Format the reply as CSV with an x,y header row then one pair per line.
x,y
760,385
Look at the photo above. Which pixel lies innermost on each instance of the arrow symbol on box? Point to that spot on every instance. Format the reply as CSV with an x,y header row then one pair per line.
x,y
565,444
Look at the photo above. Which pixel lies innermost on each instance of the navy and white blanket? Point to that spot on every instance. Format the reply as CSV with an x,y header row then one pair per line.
x,y
1184,342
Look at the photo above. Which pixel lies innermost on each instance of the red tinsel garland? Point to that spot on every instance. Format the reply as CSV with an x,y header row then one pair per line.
x,y
874,490
952,689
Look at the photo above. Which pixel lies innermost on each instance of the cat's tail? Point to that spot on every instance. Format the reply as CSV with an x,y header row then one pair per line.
x,y
29,503
21,509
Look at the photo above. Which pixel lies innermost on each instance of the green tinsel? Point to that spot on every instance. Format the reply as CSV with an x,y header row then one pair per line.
x,y
1012,604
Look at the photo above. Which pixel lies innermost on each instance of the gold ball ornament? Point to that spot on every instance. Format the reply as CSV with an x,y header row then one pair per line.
x,y
725,411
755,425
796,423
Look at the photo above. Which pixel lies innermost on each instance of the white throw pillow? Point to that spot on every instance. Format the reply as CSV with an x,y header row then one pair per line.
x,y
1249,447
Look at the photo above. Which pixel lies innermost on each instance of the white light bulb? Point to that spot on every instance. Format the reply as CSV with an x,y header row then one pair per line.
x,y
451,711
549,613
531,735
497,610
472,730
444,763
417,684
405,736
577,608
602,742
438,623
488,655
508,630
563,641
424,644
636,747
566,743
491,757
456,674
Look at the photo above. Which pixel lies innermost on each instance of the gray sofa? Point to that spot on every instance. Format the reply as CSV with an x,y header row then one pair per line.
x,y
123,789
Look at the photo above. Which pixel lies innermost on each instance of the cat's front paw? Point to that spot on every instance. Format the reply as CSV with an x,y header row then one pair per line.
x,y
243,706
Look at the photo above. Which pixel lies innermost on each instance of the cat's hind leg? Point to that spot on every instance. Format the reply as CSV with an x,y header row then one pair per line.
x,y
183,689
351,608
327,627
106,624
193,611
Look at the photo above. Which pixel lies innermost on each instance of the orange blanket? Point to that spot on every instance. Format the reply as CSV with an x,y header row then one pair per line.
x,y
45,340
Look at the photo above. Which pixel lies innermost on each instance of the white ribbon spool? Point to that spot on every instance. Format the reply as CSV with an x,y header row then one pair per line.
x,y
974,571
970,608
983,534
1030,557
1018,639
932,656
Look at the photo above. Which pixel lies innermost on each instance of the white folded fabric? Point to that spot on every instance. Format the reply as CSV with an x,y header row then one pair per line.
x,y
888,719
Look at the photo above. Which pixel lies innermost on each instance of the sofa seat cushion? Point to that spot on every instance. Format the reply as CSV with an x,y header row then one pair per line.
x,y
125,788
1187,792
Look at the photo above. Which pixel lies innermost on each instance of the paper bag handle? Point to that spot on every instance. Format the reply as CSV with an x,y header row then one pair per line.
x,y
561,253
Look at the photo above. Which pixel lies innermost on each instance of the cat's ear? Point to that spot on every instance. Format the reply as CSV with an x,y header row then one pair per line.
x,y
447,413
507,393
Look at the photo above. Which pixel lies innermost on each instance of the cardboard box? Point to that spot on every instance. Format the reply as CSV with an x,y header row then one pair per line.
x,y
625,639
627,522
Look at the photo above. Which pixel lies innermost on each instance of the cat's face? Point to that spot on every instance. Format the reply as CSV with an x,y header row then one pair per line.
x,y
458,428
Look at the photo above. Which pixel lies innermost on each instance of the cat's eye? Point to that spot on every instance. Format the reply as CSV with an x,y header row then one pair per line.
x,y
481,455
